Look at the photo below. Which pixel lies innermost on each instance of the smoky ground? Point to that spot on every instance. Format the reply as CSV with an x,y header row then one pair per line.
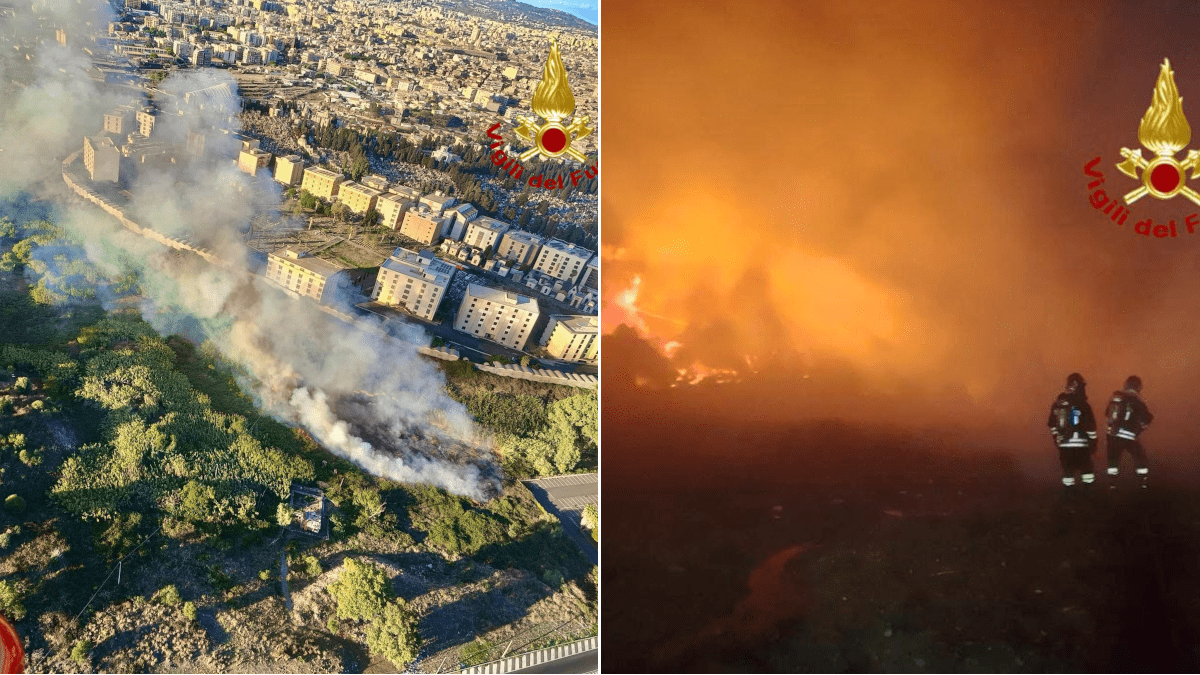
x,y
742,544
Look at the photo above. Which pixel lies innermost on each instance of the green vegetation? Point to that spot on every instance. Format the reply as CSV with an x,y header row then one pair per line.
x,y
591,521
361,591
79,653
571,431
11,600
312,566
452,525
393,634
168,595
189,610
14,504
476,652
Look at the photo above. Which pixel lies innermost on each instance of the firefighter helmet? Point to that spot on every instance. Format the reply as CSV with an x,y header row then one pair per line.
x,y
1134,382
1075,382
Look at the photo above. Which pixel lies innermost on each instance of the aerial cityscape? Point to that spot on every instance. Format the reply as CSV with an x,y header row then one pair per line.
x,y
298,361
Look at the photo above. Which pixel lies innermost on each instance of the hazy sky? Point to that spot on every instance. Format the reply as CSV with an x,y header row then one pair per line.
x,y
900,188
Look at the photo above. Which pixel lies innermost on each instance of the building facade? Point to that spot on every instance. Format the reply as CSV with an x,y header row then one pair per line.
x,y
391,208
289,170
300,272
415,281
321,183
357,197
572,338
500,316
422,225
484,233
519,246
101,158
250,161
561,260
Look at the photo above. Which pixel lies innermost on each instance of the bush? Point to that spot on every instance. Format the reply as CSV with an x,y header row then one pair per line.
x,y
11,601
437,342
6,405
553,578
80,652
38,404
14,504
361,591
189,610
332,625
168,595
393,635
22,384
29,458
283,514
312,566
476,652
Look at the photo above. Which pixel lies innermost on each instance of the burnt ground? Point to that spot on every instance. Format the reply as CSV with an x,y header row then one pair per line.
x,y
739,547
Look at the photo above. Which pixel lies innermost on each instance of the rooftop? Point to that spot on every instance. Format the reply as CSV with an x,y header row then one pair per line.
x,y
321,267
577,323
503,297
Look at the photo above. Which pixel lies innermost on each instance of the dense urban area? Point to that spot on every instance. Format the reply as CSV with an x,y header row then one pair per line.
x,y
334,164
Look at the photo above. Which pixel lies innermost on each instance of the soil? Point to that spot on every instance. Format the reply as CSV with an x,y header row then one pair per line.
x,y
825,547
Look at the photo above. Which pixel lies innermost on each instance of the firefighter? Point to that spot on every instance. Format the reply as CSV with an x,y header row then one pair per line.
x,y
1127,417
1074,429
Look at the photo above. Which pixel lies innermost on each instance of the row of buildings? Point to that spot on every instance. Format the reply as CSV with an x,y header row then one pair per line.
x,y
417,282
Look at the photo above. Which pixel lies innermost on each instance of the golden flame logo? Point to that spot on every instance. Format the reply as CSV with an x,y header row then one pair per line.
x,y
554,101
1164,131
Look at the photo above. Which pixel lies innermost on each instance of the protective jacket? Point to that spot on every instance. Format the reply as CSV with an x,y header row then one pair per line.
x,y
1127,415
1071,421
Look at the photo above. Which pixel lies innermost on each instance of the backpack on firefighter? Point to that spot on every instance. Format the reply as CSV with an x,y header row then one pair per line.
x,y
1127,414
1068,428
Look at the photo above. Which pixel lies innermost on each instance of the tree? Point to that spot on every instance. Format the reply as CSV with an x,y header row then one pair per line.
x,y
196,501
283,515
361,591
359,165
393,635
14,504
11,600
307,199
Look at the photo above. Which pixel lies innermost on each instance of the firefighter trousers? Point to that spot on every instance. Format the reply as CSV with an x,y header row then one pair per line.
x,y
1118,446
1076,460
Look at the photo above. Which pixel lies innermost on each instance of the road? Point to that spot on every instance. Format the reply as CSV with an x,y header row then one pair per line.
x,y
585,662
565,497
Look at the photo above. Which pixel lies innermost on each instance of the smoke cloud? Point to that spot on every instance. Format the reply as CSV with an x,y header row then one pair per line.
x,y
342,383
893,204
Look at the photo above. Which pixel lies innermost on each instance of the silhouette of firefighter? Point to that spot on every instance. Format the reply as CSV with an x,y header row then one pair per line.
x,y
1127,416
1074,429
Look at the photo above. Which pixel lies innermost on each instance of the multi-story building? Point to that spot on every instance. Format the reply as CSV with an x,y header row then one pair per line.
x,y
391,208
500,316
408,194
484,233
357,197
289,170
437,202
321,183
250,161
119,121
422,225
591,275
519,246
572,338
145,121
457,220
377,182
202,58
415,281
561,260
300,272
101,158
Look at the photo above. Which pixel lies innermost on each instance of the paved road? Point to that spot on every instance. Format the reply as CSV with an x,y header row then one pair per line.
x,y
586,662
565,497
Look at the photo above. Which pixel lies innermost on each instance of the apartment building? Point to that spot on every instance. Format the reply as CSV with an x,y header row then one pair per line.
x,y
422,225
391,208
500,316
519,246
101,158
415,281
321,183
357,197
572,338
561,260
484,233
300,272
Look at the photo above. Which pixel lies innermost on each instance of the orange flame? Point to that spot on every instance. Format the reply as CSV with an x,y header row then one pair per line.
x,y
553,99
1164,130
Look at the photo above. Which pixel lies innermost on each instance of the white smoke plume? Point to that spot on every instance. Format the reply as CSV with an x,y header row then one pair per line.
x,y
339,382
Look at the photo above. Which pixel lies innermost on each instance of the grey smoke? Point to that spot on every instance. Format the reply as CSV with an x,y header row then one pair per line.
x,y
303,366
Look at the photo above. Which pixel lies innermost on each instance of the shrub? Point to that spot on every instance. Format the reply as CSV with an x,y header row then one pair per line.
x,y
168,595
29,458
393,635
80,652
189,610
22,384
361,591
332,625
312,566
6,405
283,514
476,652
11,601
14,504
553,578
264,574
38,404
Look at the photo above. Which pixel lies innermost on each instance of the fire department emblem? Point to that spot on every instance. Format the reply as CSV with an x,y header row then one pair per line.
x,y
553,101
1164,131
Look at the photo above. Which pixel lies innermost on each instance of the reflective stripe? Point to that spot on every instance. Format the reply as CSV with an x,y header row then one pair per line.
x,y
1089,478
1074,443
1112,470
1143,472
1091,435
1125,433
1068,480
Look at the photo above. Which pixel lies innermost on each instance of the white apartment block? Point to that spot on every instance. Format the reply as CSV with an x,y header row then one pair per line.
x,y
561,260
250,161
119,121
437,202
457,220
572,338
519,246
591,275
484,233
300,272
101,158
501,316
415,281
357,197
146,118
